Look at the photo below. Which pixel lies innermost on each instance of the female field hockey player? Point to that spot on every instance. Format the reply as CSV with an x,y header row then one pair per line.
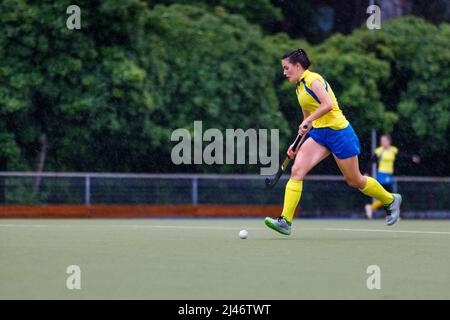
x,y
328,132
386,155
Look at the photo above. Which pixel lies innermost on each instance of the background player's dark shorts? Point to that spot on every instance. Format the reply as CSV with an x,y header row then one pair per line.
x,y
342,143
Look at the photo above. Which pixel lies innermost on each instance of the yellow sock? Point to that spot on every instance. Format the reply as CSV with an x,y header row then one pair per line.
x,y
376,205
291,198
375,190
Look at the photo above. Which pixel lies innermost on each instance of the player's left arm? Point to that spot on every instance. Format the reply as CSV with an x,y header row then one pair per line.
x,y
325,102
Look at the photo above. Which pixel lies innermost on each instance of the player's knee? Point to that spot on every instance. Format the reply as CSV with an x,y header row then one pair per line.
x,y
355,182
351,183
297,172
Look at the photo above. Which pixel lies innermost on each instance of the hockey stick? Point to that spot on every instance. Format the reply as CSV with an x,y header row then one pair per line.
x,y
270,183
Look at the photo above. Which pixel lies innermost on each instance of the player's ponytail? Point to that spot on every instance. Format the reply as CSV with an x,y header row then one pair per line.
x,y
298,56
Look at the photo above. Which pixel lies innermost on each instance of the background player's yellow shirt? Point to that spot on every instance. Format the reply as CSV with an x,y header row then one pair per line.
x,y
334,119
386,159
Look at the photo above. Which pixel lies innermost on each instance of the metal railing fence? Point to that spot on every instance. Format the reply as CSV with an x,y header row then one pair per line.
x,y
322,195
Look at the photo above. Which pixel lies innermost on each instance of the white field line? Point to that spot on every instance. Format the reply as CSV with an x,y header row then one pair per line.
x,y
168,227
185,227
35,226
389,231
40,226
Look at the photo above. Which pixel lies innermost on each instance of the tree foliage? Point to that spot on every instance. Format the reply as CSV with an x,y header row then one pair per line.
x,y
107,97
261,12
415,90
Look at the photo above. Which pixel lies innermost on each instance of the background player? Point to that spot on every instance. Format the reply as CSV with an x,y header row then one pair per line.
x,y
386,155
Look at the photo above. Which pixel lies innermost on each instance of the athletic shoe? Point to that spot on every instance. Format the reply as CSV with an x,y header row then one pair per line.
x,y
369,212
279,224
393,210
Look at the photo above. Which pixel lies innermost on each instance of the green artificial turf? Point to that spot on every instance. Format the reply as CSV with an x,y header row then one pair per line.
x,y
205,259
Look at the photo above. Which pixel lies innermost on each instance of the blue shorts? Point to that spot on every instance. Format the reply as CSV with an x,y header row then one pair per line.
x,y
385,179
342,143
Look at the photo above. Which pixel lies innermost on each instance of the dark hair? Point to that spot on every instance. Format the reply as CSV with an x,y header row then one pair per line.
x,y
298,56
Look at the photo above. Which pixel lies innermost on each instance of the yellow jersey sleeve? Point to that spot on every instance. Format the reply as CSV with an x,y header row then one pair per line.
x,y
313,77
394,150
308,101
378,151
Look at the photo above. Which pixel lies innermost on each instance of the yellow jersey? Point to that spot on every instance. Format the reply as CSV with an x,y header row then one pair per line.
x,y
309,102
386,159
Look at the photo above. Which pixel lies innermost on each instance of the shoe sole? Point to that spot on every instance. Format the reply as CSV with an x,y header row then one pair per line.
x,y
398,217
273,227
